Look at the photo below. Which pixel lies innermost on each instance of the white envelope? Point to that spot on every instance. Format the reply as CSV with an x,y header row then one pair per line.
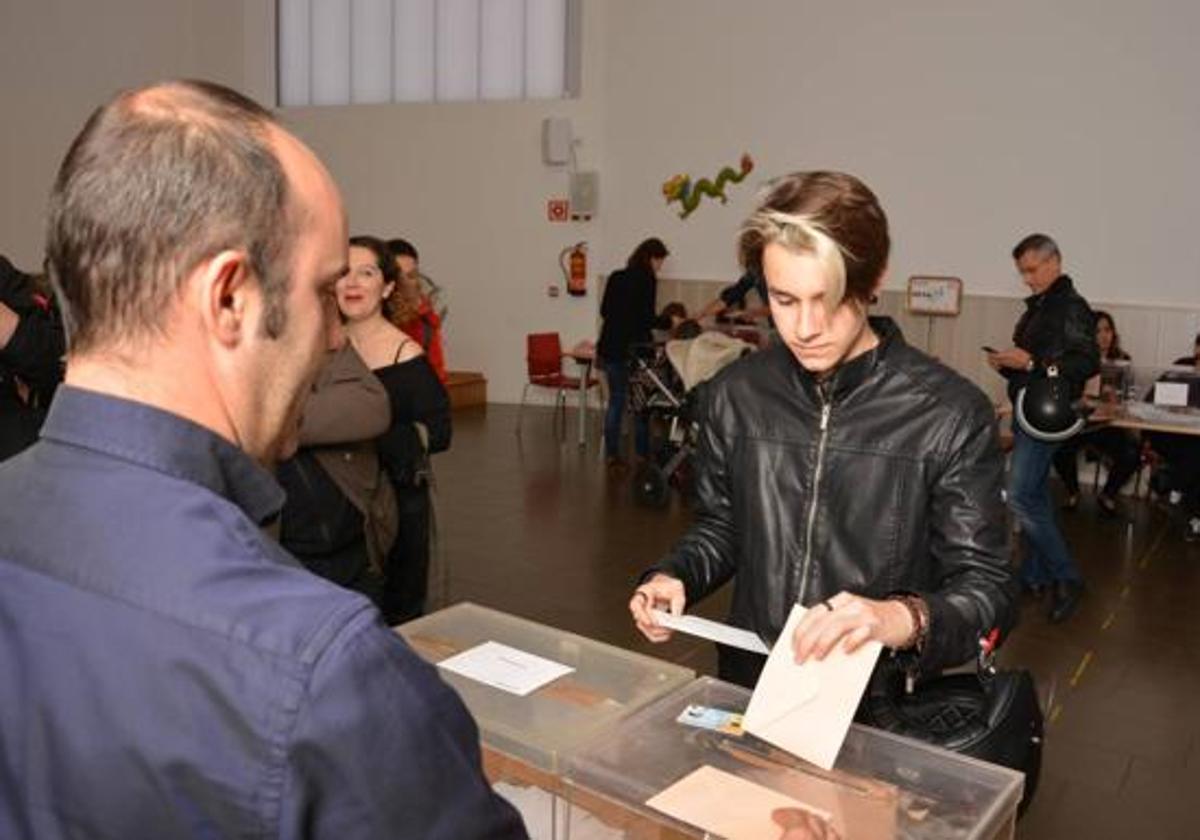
x,y
807,709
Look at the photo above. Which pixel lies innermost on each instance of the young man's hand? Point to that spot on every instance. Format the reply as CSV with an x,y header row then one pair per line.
x,y
660,592
851,620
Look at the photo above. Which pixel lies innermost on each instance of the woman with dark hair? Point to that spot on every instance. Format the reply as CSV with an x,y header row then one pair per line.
x,y
628,313
420,418
1118,445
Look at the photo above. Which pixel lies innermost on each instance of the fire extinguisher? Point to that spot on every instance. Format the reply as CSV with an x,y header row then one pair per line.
x,y
573,262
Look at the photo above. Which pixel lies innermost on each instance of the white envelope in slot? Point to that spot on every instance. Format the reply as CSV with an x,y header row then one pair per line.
x,y
807,709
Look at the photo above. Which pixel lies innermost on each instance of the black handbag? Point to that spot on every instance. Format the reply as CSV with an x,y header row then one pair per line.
x,y
990,715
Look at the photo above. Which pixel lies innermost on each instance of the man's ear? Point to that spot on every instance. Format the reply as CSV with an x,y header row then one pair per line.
x,y
874,298
227,286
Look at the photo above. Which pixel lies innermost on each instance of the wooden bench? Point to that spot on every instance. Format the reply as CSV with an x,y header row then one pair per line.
x,y
466,388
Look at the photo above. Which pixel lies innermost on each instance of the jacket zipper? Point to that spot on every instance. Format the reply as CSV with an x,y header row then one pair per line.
x,y
826,409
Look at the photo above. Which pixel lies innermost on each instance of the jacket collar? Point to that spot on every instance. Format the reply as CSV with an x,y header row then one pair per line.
x,y
850,375
1062,286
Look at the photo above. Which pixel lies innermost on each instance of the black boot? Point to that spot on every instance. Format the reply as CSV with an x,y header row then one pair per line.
x,y
1064,599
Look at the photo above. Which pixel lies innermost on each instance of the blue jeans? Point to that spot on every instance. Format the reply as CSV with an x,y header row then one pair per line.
x,y
1047,557
618,392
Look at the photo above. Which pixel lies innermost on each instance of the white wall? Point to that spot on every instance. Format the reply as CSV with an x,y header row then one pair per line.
x,y
59,59
975,123
466,184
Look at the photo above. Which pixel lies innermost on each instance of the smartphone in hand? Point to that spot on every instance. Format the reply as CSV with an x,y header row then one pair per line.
x,y
987,349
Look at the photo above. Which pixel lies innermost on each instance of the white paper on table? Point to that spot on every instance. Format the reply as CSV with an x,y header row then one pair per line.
x,y
807,709
505,668
714,631
1171,393
726,805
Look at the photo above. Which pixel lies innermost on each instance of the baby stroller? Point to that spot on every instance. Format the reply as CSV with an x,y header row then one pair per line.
x,y
663,387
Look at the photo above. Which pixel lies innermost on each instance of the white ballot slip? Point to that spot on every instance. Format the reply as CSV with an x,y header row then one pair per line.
x,y
807,709
715,631
505,668
727,805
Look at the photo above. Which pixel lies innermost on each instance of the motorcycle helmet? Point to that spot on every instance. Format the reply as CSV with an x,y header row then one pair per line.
x,y
1045,410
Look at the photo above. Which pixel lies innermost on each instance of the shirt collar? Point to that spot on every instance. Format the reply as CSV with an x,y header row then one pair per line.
x,y
156,439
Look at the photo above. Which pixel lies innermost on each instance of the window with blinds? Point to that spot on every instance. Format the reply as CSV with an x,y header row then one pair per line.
x,y
339,52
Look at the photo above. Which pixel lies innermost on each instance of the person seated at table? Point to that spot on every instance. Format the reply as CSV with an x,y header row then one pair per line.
x,y
1180,471
1194,359
413,308
628,312
671,316
730,304
1119,446
674,323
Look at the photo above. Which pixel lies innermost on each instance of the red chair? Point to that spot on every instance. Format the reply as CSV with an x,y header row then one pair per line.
x,y
543,360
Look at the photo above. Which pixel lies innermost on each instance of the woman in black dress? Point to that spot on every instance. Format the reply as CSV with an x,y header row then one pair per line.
x,y
420,418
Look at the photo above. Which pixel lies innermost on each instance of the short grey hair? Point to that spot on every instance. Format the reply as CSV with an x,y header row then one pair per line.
x,y
1039,243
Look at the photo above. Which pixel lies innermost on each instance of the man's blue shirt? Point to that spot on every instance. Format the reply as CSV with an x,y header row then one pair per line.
x,y
167,670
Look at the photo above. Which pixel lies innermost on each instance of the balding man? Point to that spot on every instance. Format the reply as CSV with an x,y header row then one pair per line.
x,y
166,670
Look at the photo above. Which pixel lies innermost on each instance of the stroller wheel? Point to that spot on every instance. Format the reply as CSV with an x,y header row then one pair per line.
x,y
650,487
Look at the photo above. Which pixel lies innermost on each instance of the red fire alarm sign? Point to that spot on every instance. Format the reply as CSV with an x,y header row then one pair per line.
x,y
558,210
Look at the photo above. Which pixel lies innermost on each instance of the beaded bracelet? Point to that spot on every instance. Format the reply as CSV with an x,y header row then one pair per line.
x,y
919,610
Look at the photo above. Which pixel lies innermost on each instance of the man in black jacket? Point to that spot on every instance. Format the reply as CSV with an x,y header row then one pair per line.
x,y
840,468
1057,329
31,351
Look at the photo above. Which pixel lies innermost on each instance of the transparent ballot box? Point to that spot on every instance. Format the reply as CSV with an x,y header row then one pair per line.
x,y
882,785
525,737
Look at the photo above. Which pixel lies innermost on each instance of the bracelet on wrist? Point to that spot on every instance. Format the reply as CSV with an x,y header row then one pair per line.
x,y
918,610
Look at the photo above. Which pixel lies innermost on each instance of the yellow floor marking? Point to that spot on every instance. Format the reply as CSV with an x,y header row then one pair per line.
x,y
1083,663
1055,712
1112,616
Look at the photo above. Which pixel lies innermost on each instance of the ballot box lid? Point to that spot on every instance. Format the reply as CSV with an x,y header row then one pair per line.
x,y
882,785
606,683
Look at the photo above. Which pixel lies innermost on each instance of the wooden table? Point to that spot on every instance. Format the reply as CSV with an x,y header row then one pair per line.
x,y
1122,419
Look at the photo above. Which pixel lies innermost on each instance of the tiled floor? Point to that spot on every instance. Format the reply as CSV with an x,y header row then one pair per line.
x,y
535,527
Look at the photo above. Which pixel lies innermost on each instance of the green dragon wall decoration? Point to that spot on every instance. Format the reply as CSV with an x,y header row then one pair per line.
x,y
680,187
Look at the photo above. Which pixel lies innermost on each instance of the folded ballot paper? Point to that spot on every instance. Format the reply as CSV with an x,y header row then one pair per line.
x,y
807,709
714,631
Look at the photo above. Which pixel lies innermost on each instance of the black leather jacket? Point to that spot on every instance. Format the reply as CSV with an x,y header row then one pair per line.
x,y
33,355
885,479
1057,328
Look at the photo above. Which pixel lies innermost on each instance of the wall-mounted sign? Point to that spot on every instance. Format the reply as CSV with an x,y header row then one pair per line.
x,y
557,209
934,295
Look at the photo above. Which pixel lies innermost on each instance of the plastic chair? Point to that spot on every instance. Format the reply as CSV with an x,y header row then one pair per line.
x,y
543,360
